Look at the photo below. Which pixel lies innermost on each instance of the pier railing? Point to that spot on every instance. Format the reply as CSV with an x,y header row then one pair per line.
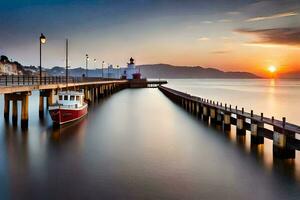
x,y
241,112
14,80
285,135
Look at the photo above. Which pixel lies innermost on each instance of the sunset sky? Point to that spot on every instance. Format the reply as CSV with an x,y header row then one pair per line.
x,y
229,35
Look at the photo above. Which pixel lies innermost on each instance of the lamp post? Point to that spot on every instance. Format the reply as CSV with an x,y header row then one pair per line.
x,y
107,71
95,65
42,41
86,64
102,69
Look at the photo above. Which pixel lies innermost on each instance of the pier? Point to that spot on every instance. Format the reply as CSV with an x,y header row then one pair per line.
x,y
19,88
282,133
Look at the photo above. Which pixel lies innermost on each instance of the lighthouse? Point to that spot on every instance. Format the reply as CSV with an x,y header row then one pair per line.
x,y
131,64
130,72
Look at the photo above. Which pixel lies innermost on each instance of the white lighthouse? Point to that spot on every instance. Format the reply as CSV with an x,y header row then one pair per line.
x,y
130,72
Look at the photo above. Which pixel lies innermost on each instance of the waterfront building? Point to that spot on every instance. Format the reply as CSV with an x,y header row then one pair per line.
x,y
8,68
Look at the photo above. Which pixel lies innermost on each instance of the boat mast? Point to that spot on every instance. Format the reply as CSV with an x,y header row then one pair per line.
x,y
67,46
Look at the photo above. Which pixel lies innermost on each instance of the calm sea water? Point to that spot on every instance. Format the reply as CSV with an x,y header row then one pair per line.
x,y
137,144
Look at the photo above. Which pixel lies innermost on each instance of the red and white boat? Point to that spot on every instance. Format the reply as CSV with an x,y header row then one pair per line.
x,y
69,107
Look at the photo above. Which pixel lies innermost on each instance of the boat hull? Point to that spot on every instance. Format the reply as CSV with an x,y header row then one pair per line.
x,y
66,115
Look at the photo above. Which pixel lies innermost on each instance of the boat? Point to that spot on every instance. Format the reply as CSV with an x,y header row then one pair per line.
x,y
69,107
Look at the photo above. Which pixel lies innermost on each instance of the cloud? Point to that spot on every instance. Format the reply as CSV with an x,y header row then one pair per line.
x,y
224,20
233,13
281,36
203,39
220,52
276,16
207,22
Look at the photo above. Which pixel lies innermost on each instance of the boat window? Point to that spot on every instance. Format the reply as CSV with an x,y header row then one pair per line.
x,y
77,98
60,97
72,98
66,97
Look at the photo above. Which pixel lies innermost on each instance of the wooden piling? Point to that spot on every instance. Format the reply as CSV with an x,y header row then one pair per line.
x,y
213,116
240,125
227,121
205,114
6,107
256,127
24,113
50,97
281,150
219,118
15,112
41,106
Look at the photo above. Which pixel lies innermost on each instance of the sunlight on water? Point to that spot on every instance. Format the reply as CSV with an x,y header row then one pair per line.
x,y
278,98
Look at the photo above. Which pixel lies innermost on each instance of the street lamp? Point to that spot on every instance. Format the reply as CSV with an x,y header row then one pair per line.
x,y
42,41
102,68
118,68
86,64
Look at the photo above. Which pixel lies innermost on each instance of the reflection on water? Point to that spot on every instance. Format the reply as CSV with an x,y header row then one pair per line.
x,y
137,144
276,98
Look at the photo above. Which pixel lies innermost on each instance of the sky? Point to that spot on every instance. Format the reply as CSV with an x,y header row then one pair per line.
x,y
232,35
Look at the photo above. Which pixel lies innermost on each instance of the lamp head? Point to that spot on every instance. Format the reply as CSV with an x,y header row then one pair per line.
x,y
42,38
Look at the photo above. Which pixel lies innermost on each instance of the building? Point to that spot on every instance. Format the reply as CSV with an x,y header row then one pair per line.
x,y
8,68
129,72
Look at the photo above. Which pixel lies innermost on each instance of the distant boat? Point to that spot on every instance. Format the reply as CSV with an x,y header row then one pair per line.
x,y
70,105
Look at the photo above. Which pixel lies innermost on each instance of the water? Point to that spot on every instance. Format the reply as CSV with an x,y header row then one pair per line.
x,y
278,98
137,144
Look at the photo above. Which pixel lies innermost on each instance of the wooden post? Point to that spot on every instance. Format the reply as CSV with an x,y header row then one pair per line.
x,y
227,121
240,125
50,98
41,106
255,129
219,117
24,114
213,116
96,93
281,138
15,112
197,109
6,107
99,92
205,114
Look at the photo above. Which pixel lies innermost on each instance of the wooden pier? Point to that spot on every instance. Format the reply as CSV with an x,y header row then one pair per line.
x,y
285,142
19,88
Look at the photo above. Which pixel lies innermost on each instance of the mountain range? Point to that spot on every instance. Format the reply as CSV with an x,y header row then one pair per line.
x,y
162,71
170,71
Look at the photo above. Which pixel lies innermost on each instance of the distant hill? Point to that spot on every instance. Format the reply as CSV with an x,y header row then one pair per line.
x,y
290,75
162,71
170,71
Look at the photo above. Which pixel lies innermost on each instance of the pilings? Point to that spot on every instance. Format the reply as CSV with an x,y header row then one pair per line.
x,y
6,106
281,149
15,112
256,127
14,98
24,113
227,121
205,116
240,125
41,106
284,141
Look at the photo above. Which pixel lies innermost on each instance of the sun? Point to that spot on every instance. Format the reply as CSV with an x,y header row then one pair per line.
x,y
272,69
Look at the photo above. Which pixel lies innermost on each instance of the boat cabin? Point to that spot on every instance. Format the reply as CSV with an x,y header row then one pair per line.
x,y
70,99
